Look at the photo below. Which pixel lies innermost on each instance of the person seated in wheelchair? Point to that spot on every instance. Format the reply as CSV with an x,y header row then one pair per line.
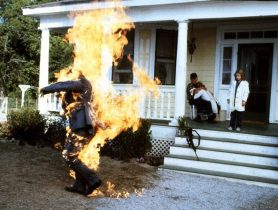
x,y
206,104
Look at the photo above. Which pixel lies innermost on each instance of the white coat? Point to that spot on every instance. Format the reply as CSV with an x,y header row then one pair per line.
x,y
241,95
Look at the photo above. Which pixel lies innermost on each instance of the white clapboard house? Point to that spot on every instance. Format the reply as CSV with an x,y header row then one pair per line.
x,y
228,35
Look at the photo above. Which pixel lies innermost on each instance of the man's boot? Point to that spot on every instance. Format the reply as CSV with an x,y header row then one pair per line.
x,y
79,185
91,179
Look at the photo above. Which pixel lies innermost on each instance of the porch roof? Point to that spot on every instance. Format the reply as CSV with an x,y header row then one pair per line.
x,y
65,6
55,15
58,3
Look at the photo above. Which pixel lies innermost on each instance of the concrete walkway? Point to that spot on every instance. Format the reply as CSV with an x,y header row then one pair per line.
x,y
177,190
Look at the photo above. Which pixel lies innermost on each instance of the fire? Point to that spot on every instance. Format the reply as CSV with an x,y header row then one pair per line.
x,y
114,193
98,38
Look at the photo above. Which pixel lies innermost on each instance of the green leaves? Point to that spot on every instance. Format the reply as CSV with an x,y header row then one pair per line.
x,y
20,47
27,125
60,54
182,122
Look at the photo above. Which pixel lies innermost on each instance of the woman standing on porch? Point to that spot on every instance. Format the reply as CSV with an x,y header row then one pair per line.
x,y
239,92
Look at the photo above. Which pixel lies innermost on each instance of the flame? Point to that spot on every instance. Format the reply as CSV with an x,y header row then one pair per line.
x,y
112,192
98,38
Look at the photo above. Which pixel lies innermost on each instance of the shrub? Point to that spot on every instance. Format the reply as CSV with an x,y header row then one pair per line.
x,y
129,144
27,125
55,134
154,161
4,130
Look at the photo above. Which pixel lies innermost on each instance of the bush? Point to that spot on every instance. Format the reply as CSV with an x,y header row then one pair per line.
x,y
27,125
128,144
154,161
4,130
55,134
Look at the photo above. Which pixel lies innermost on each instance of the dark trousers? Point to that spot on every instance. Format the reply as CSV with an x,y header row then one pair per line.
x,y
203,106
74,143
236,118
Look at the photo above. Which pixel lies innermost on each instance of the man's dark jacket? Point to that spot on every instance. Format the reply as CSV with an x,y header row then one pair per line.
x,y
80,116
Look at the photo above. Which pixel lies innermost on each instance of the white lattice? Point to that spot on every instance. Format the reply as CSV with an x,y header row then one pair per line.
x,y
161,147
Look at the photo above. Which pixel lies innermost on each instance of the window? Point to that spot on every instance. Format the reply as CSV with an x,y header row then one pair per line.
x,y
230,35
165,57
256,34
227,65
251,35
242,35
122,73
270,34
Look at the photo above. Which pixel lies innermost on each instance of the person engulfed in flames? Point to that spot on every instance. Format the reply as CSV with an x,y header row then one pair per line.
x,y
76,102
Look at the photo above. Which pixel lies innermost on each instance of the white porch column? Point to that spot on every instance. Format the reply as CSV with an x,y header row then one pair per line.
x,y
181,68
44,63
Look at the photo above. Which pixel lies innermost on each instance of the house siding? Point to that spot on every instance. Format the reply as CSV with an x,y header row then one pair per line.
x,y
203,59
203,62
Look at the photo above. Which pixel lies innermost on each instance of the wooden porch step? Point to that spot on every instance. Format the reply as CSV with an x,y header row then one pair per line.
x,y
236,136
211,145
227,158
219,174
265,142
221,169
228,154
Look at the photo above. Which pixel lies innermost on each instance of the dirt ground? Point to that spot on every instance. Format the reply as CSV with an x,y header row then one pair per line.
x,y
34,178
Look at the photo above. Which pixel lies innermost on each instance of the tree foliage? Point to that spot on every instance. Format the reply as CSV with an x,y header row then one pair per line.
x,y
20,46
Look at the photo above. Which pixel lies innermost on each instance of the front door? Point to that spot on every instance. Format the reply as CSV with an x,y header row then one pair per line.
x,y
256,62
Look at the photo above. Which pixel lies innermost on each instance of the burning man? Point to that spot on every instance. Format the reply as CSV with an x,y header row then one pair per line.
x,y
82,124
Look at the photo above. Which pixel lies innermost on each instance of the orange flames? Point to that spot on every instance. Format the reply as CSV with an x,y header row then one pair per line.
x,y
113,193
99,37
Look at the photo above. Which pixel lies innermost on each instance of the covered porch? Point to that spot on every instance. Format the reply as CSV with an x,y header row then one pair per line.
x,y
164,31
189,20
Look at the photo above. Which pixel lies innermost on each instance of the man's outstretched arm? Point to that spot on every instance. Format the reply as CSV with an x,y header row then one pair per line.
x,y
75,86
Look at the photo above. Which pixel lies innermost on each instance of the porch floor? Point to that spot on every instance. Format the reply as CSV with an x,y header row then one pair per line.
x,y
256,128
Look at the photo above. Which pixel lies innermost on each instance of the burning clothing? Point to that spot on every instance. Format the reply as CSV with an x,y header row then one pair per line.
x,y
82,122
76,101
74,144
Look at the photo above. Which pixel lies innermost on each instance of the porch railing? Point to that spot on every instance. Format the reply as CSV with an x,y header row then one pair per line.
x,y
161,108
53,103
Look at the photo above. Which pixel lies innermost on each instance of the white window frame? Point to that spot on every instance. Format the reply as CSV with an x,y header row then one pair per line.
x,y
221,64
